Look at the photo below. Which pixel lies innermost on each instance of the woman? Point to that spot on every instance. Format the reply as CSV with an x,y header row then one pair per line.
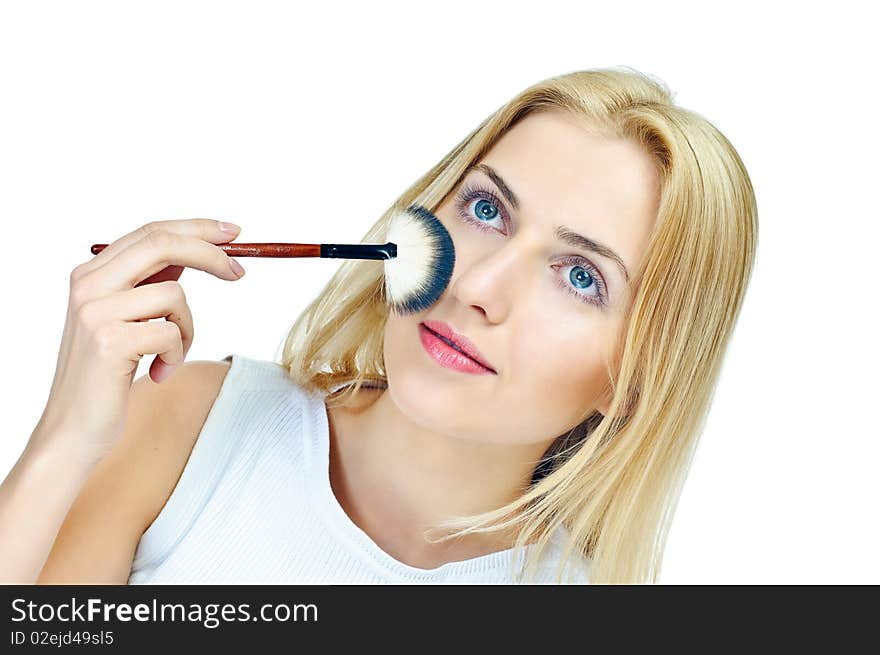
x,y
604,241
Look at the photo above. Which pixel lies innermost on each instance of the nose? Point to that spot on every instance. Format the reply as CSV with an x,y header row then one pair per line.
x,y
489,280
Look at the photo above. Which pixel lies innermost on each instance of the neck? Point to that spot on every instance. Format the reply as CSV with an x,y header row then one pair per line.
x,y
395,478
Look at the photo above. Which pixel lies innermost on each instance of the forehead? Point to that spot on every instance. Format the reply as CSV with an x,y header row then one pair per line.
x,y
565,174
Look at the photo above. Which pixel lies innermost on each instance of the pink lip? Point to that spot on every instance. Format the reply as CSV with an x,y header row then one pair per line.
x,y
469,360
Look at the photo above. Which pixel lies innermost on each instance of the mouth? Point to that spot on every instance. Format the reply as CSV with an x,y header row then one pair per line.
x,y
457,342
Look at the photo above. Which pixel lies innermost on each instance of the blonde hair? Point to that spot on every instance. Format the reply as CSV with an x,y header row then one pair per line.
x,y
613,481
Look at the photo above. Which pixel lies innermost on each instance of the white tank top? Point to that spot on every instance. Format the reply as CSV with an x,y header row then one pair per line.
x,y
254,504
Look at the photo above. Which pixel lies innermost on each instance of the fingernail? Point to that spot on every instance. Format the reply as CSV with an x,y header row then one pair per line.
x,y
236,267
228,227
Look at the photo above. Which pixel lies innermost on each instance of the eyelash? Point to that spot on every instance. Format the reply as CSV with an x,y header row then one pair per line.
x,y
470,192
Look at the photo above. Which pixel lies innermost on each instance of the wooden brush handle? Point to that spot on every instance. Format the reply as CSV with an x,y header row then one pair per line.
x,y
257,249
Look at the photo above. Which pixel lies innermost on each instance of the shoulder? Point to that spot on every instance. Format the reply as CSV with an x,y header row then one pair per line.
x,y
130,485
190,388
161,427
234,394
166,421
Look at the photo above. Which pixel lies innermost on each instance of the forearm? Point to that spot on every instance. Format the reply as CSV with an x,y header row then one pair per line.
x,y
34,500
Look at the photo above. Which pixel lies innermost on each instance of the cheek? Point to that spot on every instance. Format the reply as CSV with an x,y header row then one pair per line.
x,y
470,243
558,367
394,326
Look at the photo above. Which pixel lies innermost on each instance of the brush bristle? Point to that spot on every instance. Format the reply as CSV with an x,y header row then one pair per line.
x,y
416,278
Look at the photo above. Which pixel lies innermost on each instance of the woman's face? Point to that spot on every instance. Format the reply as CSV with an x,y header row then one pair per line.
x,y
543,312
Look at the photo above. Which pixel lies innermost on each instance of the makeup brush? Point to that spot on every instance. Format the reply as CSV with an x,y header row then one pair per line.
x,y
419,257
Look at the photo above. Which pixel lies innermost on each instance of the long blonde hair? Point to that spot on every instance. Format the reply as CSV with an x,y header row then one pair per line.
x,y
613,481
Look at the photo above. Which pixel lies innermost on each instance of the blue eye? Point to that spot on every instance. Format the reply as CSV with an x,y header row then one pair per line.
x,y
479,207
489,207
485,210
580,277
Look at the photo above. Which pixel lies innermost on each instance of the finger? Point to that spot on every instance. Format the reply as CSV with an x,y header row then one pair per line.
x,y
159,337
205,228
152,254
159,370
160,300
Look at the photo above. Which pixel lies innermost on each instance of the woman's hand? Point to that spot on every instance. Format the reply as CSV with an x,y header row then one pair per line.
x,y
108,331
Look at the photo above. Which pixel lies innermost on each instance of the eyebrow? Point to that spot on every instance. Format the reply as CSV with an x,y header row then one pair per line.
x,y
499,182
563,233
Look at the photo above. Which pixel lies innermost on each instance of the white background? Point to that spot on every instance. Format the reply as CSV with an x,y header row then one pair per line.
x,y
303,122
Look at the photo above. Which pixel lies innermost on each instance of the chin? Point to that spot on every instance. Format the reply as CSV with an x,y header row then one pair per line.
x,y
437,402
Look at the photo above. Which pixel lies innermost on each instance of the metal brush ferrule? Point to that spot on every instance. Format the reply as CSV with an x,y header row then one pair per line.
x,y
359,250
